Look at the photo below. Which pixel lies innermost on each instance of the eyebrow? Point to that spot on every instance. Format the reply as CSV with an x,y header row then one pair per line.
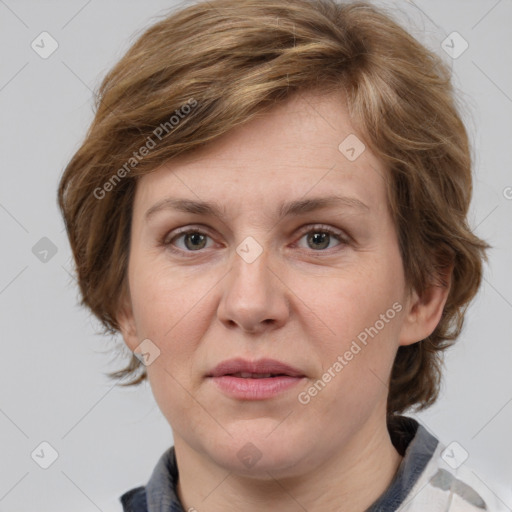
x,y
291,208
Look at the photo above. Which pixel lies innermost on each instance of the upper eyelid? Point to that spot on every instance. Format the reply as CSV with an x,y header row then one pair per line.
x,y
322,227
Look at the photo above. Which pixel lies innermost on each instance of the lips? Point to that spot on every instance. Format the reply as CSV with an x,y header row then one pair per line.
x,y
257,380
262,368
248,375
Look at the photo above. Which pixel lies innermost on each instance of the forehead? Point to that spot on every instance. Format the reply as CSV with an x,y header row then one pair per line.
x,y
306,146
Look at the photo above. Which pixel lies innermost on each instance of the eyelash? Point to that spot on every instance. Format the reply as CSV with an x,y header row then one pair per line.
x,y
318,228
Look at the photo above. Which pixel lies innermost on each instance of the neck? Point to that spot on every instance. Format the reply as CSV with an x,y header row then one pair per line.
x,y
350,480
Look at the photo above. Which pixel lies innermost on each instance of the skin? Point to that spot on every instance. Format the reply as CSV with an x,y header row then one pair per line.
x,y
302,301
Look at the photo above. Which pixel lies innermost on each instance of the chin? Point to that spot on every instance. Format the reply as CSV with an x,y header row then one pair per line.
x,y
259,450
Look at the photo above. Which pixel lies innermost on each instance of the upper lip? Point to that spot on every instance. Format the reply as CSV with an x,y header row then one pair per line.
x,y
237,365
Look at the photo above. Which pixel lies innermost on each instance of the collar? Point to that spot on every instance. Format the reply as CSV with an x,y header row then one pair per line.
x,y
417,446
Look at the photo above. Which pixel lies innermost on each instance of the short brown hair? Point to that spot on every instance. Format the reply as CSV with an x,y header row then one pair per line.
x,y
229,60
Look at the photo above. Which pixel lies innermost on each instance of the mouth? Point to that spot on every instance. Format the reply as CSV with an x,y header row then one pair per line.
x,y
257,380
246,375
262,368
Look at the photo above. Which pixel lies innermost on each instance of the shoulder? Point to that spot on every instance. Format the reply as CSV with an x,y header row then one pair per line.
x,y
446,484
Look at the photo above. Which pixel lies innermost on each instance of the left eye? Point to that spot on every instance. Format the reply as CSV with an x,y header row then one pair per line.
x,y
320,238
193,240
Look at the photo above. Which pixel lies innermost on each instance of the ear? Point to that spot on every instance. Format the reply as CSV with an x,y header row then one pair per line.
x,y
424,313
127,325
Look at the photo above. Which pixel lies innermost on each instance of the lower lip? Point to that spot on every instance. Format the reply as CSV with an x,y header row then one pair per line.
x,y
254,389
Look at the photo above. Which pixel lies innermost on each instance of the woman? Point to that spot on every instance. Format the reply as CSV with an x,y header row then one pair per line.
x,y
270,207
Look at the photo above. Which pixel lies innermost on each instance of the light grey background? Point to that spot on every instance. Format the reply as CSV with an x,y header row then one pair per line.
x,y
52,386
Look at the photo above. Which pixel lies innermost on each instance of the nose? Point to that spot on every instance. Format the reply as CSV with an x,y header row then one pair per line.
x,y
254,296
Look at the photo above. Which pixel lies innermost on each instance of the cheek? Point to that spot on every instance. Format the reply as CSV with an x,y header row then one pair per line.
x,y
162,297
348,303
357,351
359,321
170,312
173,310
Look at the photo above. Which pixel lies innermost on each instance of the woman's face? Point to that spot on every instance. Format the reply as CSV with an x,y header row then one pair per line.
x,y
295,260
